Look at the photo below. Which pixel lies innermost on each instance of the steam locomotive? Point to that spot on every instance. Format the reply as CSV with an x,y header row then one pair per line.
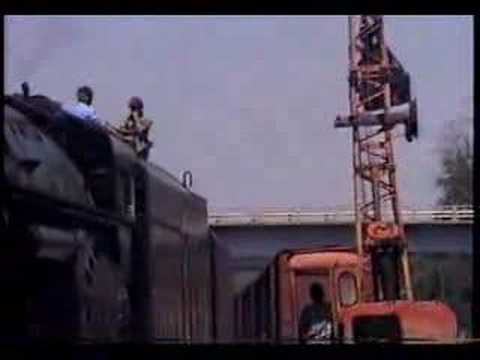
x,y
99,245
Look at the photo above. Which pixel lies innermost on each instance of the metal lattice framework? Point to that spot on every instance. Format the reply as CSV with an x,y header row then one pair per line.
x,y
374,90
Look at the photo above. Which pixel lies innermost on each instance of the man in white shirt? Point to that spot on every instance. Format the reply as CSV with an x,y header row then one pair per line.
x,y
84,109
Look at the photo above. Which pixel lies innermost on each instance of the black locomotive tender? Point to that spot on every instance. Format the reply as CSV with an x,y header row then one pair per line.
x,y
99,245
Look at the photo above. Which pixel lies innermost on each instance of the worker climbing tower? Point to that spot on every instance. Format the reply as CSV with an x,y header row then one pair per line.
x,y
379,101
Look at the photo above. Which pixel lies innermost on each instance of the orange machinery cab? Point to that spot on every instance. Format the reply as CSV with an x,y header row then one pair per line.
x,y
406,321
354,313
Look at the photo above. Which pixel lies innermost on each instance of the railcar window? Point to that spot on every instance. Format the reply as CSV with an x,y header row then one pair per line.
x,y
303,283
348,289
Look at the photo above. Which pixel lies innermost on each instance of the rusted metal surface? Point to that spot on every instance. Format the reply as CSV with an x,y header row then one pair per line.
x,y
418,319
326,260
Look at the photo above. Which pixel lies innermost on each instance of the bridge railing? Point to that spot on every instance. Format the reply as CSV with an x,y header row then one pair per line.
x,y
450,213
300,216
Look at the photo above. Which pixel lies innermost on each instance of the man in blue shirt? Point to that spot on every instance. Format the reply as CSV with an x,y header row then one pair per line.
x,y
84,109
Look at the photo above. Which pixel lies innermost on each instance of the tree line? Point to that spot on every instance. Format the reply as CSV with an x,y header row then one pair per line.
x,y
456,161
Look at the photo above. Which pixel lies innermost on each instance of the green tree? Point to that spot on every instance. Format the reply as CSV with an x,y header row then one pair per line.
x,y
455,180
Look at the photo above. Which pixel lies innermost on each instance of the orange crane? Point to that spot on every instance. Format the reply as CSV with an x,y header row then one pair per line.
x,y
379,101
368,288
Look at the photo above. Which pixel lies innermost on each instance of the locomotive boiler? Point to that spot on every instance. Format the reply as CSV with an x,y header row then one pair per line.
x,y
97,244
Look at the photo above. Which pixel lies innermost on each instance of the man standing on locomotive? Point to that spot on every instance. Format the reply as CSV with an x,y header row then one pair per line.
x,y
84,109
315,323
136,128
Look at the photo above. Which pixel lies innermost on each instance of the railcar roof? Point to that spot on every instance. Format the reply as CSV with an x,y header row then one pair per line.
x,y
169,179
325,258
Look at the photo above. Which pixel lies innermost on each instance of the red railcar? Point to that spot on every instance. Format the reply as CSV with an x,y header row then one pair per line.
x,y
268,310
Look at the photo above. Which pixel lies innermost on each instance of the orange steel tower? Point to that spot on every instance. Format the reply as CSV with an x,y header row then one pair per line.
x,y
379,101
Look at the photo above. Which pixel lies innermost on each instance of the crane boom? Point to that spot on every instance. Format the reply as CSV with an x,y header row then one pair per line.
x,y
379,93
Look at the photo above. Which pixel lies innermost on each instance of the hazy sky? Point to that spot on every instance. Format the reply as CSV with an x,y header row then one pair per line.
x,y
248,103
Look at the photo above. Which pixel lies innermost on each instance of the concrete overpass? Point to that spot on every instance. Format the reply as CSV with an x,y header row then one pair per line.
x,y
448,215
255,236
